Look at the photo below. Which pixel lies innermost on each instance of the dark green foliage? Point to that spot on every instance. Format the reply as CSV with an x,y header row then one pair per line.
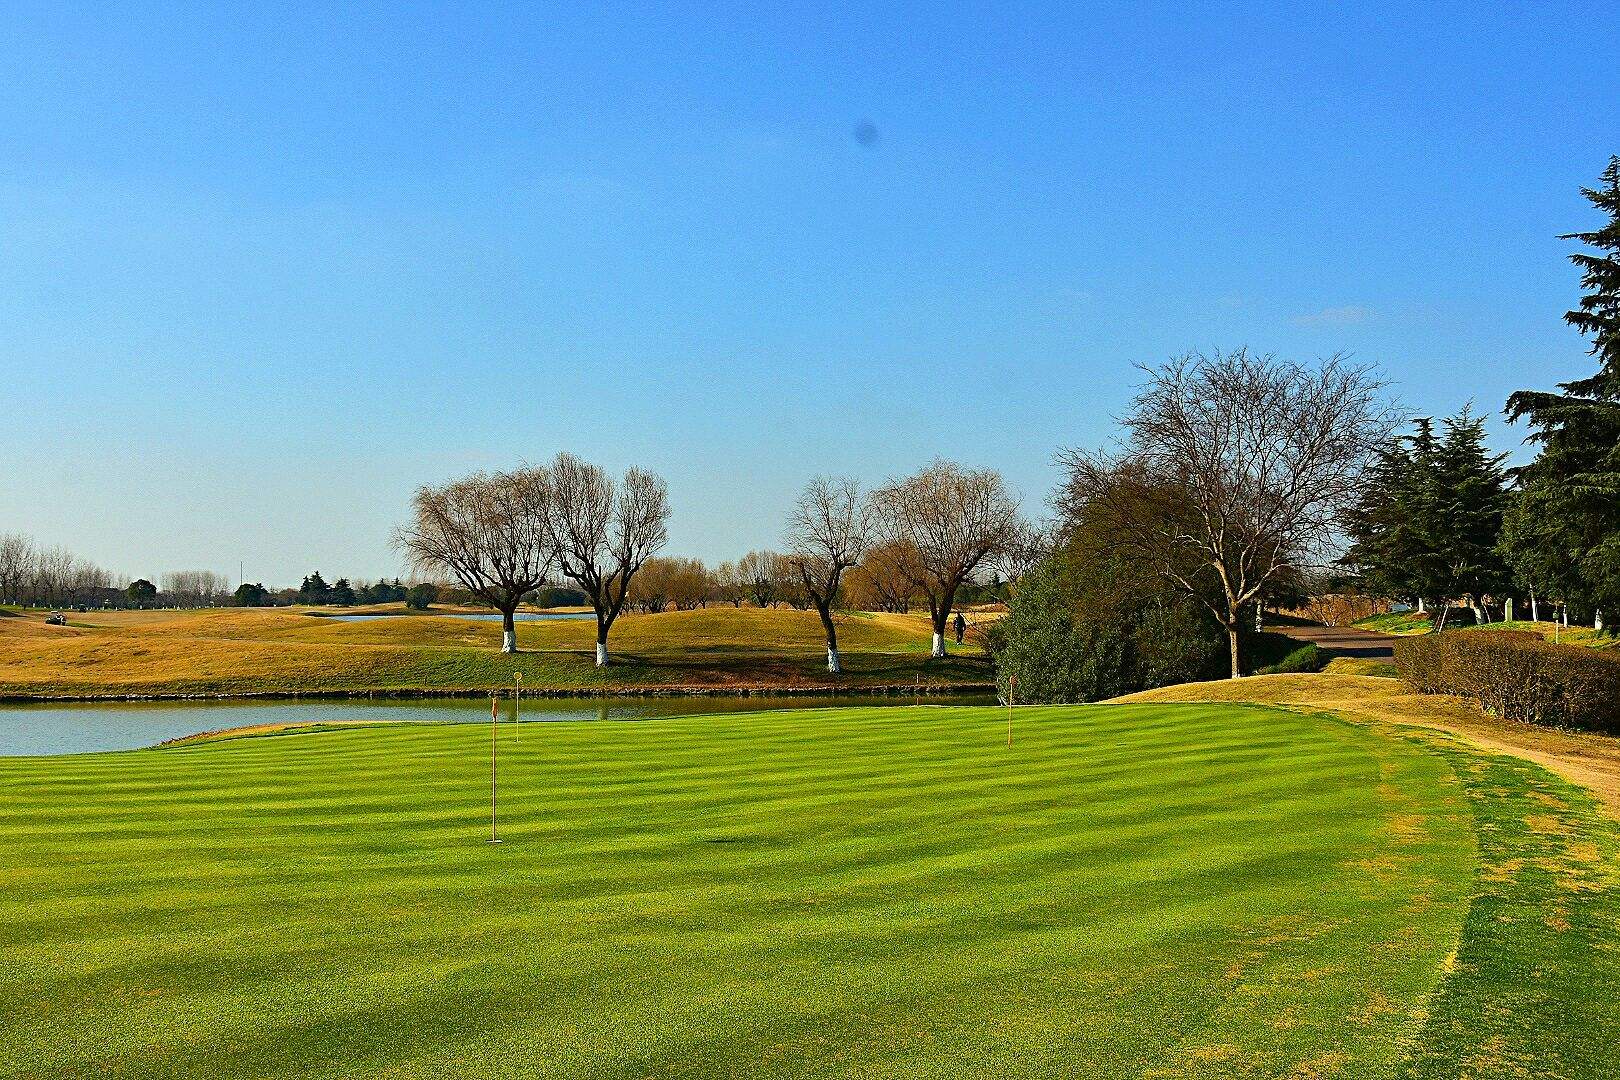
x,y
421,597
555,596
315,590
1428,522
1517,675
141,592
1305,659
251,594
342,593
1573,486
382,592
1081,630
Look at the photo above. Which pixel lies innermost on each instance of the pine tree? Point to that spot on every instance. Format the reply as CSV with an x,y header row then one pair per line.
x,y
1576,476
1471,487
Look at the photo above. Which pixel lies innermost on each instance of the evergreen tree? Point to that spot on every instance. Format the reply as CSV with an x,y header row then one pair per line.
x,y
1471,486
342,593
1576,476
315,590
1427,524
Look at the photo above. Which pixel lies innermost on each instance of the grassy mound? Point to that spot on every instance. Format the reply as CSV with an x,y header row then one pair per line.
x,y
1211,890
233,651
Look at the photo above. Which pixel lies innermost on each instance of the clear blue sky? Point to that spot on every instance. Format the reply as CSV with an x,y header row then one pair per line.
x,y
263,271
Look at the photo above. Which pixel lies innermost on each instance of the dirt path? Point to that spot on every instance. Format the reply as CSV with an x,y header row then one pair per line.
x,y
1342,640
1593,761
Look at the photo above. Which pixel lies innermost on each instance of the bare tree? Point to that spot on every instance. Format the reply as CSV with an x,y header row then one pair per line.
x,y
885,579
827,533
1236,469
16,565
604,532
727,584
194,588
488,533
761,576
954,519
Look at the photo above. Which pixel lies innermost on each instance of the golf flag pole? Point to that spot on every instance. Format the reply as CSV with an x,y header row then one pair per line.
x,y
494,716
517,703
1012,683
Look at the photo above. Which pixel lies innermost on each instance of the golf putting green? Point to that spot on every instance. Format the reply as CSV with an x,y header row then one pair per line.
x,y
1132,890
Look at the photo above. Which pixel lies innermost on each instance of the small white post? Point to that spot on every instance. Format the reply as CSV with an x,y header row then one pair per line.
x,y
494,718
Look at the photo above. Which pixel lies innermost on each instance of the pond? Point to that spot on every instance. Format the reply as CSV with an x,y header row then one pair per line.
x,y
475,616
83,727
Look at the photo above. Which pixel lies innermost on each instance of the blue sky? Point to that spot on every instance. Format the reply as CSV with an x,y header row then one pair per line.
x,y
263,271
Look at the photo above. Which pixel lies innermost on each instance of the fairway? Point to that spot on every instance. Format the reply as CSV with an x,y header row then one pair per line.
x,y
1129,890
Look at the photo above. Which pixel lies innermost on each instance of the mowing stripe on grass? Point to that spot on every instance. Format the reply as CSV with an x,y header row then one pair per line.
x,y
1130,890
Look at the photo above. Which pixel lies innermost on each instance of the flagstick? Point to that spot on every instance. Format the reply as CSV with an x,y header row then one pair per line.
x,y
1012,681
517,704
494,716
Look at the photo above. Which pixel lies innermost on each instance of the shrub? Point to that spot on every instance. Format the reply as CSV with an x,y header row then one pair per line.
x,y
421,597
1305,659
1517,675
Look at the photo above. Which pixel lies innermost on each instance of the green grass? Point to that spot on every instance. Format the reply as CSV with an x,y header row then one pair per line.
x,y
1170,890
1399,623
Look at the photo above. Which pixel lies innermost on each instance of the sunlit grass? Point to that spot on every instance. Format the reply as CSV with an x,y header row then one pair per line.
x,y
1204,890
234,651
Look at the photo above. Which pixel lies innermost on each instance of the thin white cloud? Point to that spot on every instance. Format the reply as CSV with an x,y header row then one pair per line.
x,y
1336,316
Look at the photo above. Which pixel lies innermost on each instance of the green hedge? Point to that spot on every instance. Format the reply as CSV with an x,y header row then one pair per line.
x,y
1517,675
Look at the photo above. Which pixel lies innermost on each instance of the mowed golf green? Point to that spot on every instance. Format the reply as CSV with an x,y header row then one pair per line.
x,y
1142,890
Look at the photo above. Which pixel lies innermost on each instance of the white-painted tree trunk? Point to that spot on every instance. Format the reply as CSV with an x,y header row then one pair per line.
x,y
1420,606
509,641
833,666
601,654
1507,610
1259,617
1535,608
939,644
1597,620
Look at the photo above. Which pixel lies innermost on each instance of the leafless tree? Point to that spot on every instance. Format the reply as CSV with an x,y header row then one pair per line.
x,y
762,576
727,584
954,519
488,532
1235,470
602,532
886,578
827,533
194,588
16,566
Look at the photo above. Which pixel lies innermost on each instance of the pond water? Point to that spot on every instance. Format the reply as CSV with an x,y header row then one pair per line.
x,y
83,727
493,616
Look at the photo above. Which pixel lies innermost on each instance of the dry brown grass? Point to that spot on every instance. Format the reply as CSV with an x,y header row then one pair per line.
x,y
289,650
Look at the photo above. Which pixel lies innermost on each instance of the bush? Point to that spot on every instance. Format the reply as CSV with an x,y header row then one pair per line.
x,y
1517,675
1306,659
1064,644
421,597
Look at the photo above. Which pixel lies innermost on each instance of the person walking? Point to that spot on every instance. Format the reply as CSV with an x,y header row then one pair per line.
x,y
961,627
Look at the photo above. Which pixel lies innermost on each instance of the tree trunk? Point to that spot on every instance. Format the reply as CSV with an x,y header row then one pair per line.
x,y
1420,606
601,643
508,632
1232,643
1535,609
833,666
939,643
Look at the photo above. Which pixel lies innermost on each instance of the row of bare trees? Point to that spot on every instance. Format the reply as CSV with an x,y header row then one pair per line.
x,y
917,539
48,576
501,535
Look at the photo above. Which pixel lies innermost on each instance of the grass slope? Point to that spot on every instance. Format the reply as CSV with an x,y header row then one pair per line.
x,y
1150,890
288,651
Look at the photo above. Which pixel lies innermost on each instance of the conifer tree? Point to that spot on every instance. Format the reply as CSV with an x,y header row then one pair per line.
x,y
1576,477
